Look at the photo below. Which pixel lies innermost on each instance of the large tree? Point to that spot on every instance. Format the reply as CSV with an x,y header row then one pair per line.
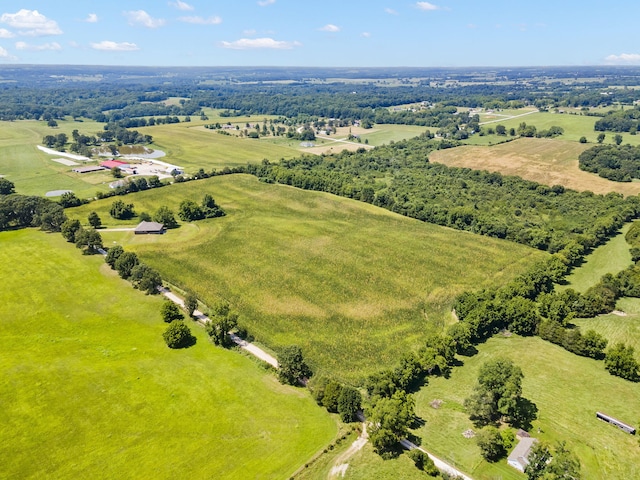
x,y
498,393
6,187
165,216
292,365
170,312
178,335
620,361
389,420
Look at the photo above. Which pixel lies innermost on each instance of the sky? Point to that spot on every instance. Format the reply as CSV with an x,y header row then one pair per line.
x,y
327,33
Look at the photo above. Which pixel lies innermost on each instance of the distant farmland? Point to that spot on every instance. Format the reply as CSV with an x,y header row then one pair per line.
x,y
353,284
547,161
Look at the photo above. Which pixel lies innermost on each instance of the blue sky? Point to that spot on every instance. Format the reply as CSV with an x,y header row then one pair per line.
x,y
377,33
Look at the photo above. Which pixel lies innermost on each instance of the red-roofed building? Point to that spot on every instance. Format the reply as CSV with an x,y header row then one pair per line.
x,y
114,164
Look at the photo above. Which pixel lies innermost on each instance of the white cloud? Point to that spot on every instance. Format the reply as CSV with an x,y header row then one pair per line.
x,y
249,33
140,17
181,5
4,53
109,46
623,59
330,28
91,18
31,23
201,21
259,43
54,46
427,6
4,33
365,34
390,11
266,3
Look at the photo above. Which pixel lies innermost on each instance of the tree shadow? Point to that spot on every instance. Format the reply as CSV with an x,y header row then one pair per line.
x,y
417,441
526,412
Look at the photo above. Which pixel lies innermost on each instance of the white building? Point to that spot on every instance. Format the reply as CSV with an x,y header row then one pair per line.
x,y
518,457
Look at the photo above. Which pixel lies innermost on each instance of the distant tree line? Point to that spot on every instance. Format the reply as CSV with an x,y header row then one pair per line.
x,y
620,163
20,211
627,120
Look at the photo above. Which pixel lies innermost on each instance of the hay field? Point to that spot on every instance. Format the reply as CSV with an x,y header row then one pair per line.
x,y
547,161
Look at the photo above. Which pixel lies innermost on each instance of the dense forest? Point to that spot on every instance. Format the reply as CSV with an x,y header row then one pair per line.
x,y
620,163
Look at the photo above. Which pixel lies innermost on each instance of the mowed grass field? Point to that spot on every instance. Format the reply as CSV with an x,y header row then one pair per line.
x,y
192,146
548,161
616,328
89,389
567,390
612,257
354,285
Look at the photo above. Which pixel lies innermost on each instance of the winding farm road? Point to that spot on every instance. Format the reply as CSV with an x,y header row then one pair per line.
x,y
440,464
203,319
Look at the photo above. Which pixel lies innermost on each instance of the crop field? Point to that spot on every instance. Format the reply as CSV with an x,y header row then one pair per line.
x,y
547,161
89,389
612,257
618,328
567,390
354,285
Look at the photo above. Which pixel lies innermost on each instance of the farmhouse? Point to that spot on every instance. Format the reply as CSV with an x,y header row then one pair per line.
x,y
146,228
518,457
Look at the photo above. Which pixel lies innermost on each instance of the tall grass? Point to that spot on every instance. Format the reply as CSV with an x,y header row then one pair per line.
x,y
353,284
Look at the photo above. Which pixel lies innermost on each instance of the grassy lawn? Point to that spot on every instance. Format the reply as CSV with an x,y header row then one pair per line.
x,y
354,285
89,390
612,257
548,161
567,390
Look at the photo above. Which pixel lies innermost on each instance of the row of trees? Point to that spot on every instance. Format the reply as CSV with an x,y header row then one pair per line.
x,y
548,218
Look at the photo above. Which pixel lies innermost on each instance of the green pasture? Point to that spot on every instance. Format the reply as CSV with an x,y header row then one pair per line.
x,y
32,171
382,134
612,257
567,390
574,125
194,147
354,285
615,327
89,389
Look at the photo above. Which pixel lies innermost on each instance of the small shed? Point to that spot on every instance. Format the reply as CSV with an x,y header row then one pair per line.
x,y
518,457
150,228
